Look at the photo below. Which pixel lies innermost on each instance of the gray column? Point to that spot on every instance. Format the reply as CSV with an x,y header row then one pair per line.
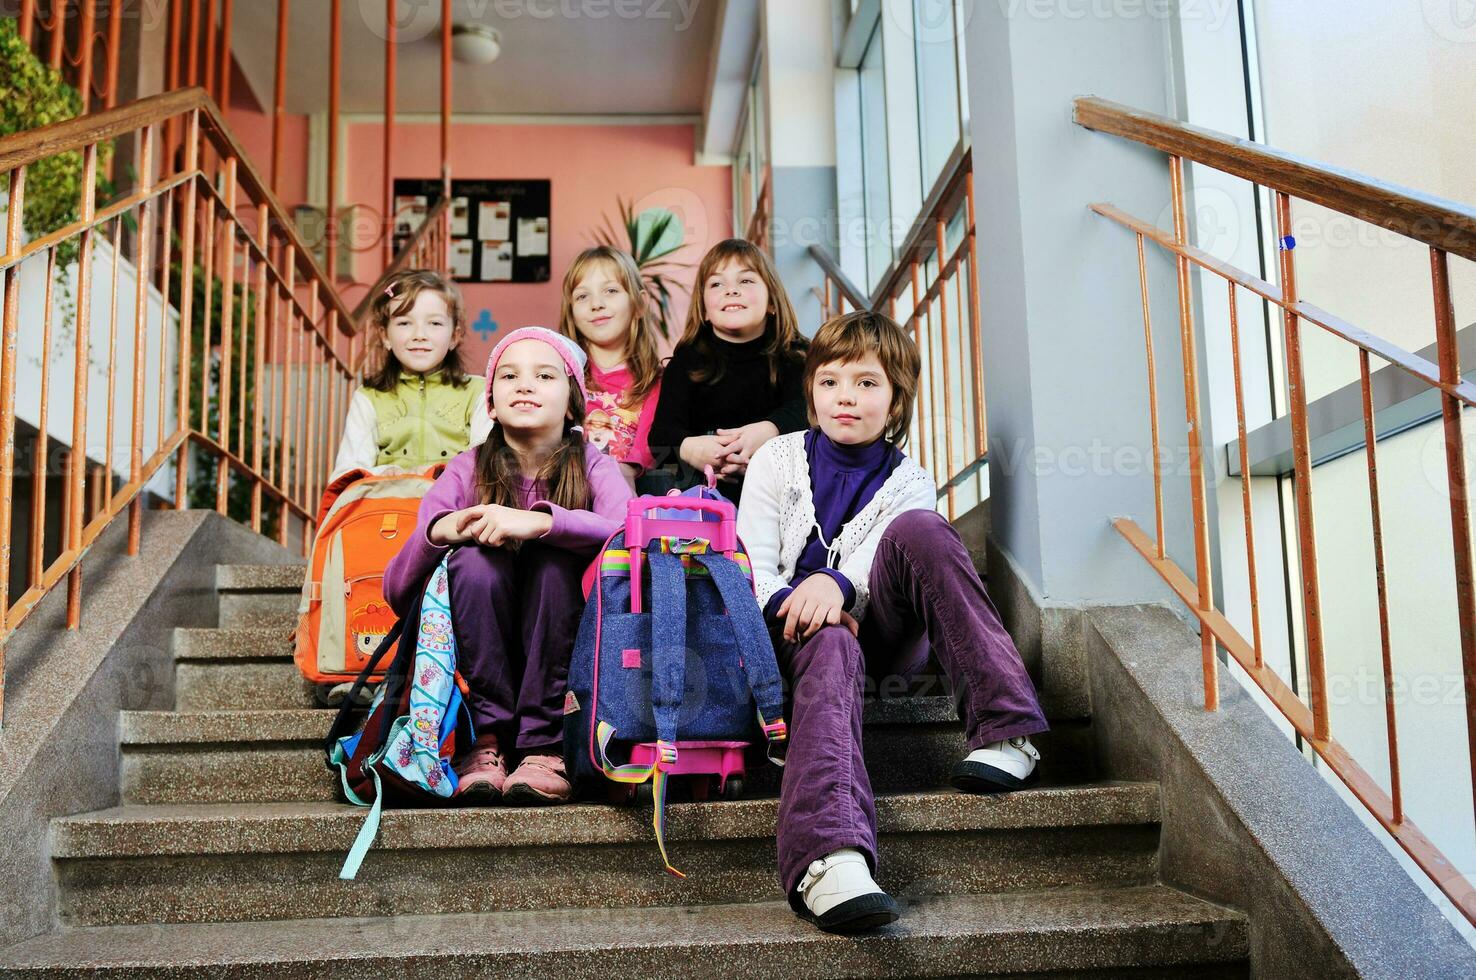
x,y
798,49
1065,372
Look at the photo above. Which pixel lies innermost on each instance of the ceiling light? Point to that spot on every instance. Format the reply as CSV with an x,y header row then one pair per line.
x,y
474,44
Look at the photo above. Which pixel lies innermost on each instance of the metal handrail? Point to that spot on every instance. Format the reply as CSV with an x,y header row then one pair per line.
x,y
1448,228
849,291
932,315
430,240
281,325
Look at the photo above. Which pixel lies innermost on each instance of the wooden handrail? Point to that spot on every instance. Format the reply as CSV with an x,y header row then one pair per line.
x,y
1425,218
1446,227
850,290
402,258
946,192
25,148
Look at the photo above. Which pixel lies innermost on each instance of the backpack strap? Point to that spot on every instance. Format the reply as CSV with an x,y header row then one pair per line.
x,y
757,650
668,647
344,722
668,678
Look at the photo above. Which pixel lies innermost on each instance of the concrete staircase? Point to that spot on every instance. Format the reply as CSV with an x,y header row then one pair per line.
x,y
222,858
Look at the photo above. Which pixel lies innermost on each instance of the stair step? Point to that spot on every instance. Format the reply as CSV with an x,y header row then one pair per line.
x,y
260,578
1065,930
263,642
243,666
254,861
259,595
244,683
274,756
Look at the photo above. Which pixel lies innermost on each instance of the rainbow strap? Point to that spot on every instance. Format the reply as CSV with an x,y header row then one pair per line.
x,y
666,755
775,733
616,561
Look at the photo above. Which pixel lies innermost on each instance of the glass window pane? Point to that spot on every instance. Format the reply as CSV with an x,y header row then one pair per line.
x,y
937,84
876,193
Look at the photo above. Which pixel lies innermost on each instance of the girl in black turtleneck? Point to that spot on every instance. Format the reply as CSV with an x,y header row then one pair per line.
x,y
734,381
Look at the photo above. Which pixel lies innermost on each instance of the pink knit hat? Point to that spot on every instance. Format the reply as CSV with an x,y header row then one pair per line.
x,y
574,359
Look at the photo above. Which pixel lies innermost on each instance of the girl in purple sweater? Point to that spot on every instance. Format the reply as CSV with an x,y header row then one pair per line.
x,y
525,511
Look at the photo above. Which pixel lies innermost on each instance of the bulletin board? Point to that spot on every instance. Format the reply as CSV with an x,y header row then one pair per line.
x,y
499,228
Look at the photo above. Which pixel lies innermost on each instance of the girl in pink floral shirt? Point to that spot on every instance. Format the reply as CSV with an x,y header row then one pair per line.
x,y
605,312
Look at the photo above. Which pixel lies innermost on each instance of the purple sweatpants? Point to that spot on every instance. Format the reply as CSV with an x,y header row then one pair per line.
x,y
925,593
516,617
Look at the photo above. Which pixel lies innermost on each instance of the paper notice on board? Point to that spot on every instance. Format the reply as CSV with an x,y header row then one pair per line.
x,y
494,221
461,258
410,211
497,261
460,216
532,236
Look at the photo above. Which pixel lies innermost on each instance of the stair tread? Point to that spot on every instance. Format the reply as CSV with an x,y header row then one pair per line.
x,y
970,933
260,578
270,642
143,830
311,724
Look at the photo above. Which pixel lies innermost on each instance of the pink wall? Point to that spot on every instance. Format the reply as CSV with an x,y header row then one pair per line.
x,y
252,125
589,166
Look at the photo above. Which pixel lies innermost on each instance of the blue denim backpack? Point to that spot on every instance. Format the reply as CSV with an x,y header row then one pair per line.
x,y
673,672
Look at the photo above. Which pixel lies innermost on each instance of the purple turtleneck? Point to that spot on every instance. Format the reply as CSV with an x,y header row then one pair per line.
x,y
843,479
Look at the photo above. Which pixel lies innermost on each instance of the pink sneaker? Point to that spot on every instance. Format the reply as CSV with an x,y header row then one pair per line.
x,y
483,773
538,780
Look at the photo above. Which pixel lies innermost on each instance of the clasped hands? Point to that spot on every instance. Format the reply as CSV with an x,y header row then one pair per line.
x,y
728,450
491,525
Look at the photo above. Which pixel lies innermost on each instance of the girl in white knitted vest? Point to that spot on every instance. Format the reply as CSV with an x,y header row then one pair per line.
x,y
859,574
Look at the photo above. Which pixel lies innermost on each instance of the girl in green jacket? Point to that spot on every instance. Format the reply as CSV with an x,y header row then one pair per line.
x,y
417,406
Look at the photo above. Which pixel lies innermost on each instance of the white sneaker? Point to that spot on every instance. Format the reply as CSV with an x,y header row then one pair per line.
x,y
840,896
1005,765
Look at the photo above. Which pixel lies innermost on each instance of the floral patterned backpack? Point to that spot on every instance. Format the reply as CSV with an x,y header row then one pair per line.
x,y
401,755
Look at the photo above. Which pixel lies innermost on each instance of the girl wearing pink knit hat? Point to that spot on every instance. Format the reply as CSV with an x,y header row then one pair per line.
x,y
525,512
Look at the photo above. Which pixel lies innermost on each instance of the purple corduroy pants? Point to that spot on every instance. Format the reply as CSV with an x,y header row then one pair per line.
x,y
516,616
925,593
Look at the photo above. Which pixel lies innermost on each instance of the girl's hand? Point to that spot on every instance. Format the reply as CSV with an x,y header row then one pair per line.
x,y
702,451
448,531
745,441
493,525
815,602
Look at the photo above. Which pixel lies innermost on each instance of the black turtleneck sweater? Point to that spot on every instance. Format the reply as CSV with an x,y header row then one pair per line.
x,y
742,395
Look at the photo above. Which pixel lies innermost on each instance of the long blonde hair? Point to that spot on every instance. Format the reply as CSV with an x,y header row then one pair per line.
x,y
786,345
641,357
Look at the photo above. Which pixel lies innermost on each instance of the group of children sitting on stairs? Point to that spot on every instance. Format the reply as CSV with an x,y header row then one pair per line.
x,y
856,572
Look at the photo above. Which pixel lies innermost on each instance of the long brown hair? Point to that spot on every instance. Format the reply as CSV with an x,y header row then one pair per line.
x,y
498,467
641,357
786,343
397,298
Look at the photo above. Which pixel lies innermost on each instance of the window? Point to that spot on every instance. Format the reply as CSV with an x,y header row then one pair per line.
x,y
874,170
937,32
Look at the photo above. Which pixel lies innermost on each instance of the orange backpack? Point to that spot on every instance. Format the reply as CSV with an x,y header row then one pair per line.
x,y
362,523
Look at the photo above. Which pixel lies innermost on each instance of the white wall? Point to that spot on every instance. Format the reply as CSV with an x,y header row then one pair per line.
x,y
161,326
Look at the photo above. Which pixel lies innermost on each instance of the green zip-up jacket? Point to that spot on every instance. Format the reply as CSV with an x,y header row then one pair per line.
x,y
422,421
